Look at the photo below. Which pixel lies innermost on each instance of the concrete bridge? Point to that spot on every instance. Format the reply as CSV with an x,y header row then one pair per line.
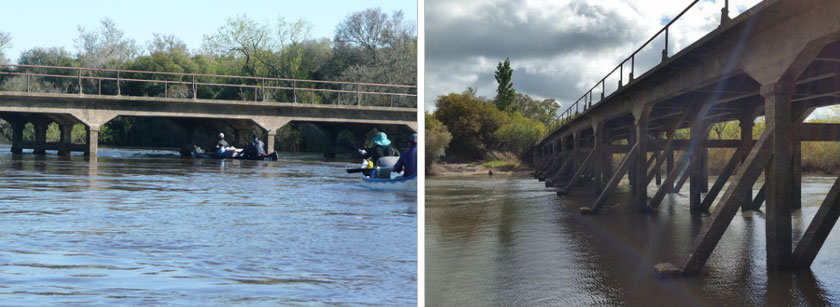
x,y
93,97
780,59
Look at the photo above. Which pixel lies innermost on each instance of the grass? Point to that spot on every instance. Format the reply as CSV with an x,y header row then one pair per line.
x,y
502,164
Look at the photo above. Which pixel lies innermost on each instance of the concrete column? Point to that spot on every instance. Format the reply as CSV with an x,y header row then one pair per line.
x,y
40,138
669,163
777,108
92,139
599,158
639,202
695,169
796,164
65,140
17,137
746,124
269,141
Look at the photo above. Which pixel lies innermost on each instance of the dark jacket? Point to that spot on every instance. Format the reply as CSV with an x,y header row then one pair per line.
x,y
407,162
380,151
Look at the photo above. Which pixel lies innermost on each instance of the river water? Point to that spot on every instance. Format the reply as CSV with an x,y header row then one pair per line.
x,y
509,241
139,227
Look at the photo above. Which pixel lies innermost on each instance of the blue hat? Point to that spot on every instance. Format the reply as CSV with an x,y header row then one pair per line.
x,y
381,139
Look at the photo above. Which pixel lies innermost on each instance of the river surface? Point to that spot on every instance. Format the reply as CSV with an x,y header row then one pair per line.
x,y
509,241
139,227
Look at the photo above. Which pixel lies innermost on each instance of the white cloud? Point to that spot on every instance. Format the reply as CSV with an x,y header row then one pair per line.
x,y
558,49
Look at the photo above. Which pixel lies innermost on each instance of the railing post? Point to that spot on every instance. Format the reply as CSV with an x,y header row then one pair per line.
x,y
632,66
392,100
80,81
603,88
262,89
358,94
621,75
294,90
165,90
118,83
665,49
27,82
99,85
724,12
195,90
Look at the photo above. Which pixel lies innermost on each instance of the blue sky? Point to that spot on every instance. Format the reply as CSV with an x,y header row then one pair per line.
x,y
53,23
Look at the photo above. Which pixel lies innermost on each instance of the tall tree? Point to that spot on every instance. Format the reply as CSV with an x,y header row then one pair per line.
x,y
105,47
505,92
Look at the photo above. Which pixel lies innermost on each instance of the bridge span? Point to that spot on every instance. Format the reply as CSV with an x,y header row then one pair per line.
x,y
93,97
779,59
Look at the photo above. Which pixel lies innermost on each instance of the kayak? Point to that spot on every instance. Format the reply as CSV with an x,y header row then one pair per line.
x,y
399,184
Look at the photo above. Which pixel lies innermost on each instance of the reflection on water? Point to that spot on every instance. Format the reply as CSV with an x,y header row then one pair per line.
x,y
137,228
506,241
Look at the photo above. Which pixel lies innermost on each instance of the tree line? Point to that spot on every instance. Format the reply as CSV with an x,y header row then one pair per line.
x,y
466,127
369,46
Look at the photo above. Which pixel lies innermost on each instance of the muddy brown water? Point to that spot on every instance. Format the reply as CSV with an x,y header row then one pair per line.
x,y
509,241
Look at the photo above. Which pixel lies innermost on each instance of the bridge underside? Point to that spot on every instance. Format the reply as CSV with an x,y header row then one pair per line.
x,y
780,60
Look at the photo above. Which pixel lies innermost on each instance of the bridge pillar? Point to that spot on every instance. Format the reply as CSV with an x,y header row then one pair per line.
x,y
92,139
598,142
64,140
778,174
669,162
639,175
695,166
269,141
17,136
40,138
746,123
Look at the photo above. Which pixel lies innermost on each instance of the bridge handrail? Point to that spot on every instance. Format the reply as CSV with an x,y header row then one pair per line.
x,y
574,109
260,82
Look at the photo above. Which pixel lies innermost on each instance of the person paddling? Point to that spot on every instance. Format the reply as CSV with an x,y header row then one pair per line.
x,y
223,149
381,148
408,160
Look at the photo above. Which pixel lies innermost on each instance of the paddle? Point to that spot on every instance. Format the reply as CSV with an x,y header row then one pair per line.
x,y
355,170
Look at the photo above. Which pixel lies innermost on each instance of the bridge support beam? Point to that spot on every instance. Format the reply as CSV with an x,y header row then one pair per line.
x,y
40,137
640,172
17,136
746,123
65,139
822,224
92,139
778,175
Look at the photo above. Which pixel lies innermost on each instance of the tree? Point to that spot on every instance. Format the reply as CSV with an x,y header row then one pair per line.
x,y
437,140
472,121
505,92
5,42
166,43
519,133
544,111
378,48
106,47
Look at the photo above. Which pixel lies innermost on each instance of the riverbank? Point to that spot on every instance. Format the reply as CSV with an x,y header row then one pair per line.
x,y
475,169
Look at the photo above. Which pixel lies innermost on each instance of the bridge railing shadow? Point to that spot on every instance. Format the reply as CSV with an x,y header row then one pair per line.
x,y
117,82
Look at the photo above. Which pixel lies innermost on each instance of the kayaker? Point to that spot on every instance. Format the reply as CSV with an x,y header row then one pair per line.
x,y
223,149
408,160
255,149
381,148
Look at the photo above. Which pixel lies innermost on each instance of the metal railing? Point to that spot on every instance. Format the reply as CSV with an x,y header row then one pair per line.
x,y
120,82
585,102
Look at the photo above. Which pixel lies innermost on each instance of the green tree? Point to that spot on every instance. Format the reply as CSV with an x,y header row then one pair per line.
x,y
519,133
505,92
472,121
437,140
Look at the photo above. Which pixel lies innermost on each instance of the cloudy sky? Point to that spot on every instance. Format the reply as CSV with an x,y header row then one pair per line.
x,y
557,48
